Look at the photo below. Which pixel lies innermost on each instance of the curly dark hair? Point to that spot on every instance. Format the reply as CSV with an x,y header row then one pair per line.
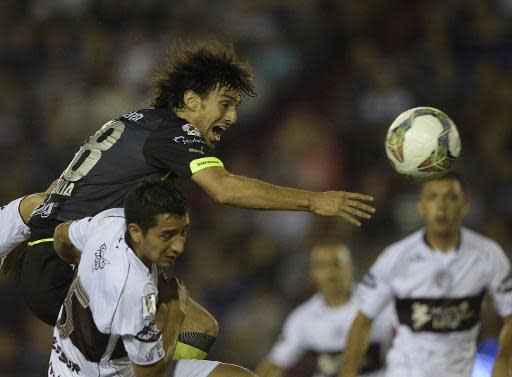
x,y
202,67
150,198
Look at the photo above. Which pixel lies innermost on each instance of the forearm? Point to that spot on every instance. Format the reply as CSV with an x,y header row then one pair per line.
x,y
357,343
502,362
169,318
172,328
63,246
253,193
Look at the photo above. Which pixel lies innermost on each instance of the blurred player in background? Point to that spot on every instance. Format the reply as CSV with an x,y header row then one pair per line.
x,y
437,278
320,325
120,318
198,92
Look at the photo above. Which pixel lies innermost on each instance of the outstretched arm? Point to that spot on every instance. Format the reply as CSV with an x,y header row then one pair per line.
x,y
238,191
501,366
357,342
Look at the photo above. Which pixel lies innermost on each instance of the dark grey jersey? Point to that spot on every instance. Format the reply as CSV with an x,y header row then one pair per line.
x,y
121,153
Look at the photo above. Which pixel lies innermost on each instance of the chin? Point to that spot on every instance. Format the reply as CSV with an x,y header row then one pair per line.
x,y
165,264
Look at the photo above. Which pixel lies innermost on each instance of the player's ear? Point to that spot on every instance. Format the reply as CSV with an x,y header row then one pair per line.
x,y
465,207
192,100
136,233
420,208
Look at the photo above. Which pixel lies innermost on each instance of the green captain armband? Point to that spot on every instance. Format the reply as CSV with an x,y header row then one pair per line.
x,y
184,351
203,163
193,345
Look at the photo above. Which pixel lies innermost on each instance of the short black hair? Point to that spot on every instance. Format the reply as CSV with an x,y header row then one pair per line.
x,y
451,175
150,198
200,66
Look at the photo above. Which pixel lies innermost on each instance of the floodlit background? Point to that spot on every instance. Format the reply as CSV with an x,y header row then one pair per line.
x,y
331,76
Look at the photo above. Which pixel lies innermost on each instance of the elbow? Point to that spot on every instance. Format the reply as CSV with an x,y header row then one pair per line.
x,y
221,197
58,237
222,193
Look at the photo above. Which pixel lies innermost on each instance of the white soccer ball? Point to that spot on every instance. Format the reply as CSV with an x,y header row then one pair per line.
x,y
422,143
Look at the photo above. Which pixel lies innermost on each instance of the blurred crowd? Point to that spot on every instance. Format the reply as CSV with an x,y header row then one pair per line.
x,y
331,76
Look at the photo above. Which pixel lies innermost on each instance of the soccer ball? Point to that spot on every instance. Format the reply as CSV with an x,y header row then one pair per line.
x,y
422,143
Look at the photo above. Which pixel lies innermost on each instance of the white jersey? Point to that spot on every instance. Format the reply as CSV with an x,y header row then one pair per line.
x,y
108,317
13,230
438,298
322,330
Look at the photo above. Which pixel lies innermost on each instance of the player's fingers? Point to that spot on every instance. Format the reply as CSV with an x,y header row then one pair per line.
x,y
358,213
350,219
358,196
362,206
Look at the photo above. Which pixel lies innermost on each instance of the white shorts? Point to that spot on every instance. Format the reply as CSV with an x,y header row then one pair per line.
x,y
191,368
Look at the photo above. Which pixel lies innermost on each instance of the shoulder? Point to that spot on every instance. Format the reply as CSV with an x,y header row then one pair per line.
x,y
484,246
470,237
306,309
396,250
110,216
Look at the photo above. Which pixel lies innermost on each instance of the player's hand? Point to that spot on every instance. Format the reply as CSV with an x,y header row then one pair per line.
x,y
172,289
349,205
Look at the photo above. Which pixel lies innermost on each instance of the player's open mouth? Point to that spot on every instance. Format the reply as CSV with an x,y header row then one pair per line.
x,y
217,131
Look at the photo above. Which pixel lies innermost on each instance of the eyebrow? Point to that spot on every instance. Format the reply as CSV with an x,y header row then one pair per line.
x,y
234,99
175,230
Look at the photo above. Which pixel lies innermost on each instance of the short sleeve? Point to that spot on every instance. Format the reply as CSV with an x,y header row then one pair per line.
x,y
289,347
500,286
78,232
180,150
134,321
375,291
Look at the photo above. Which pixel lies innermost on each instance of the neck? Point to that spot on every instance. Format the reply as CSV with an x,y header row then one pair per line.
x,y
443,242
185,114
336,299
136,250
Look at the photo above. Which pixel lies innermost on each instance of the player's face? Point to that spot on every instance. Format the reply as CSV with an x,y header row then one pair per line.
x,y
331,270
216,114
442,205
163,242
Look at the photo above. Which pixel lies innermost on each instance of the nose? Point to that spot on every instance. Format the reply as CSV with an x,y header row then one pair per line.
x,y
178,245
230,117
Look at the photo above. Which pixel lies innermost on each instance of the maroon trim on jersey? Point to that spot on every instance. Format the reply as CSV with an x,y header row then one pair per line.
x,y
441,315
85,335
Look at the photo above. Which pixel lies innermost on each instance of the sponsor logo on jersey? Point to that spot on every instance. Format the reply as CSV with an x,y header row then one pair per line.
x,y
63,358
439,315
99,258
133,116
149,334
190,130
155,353
64,188
186,141
44,210
194,150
